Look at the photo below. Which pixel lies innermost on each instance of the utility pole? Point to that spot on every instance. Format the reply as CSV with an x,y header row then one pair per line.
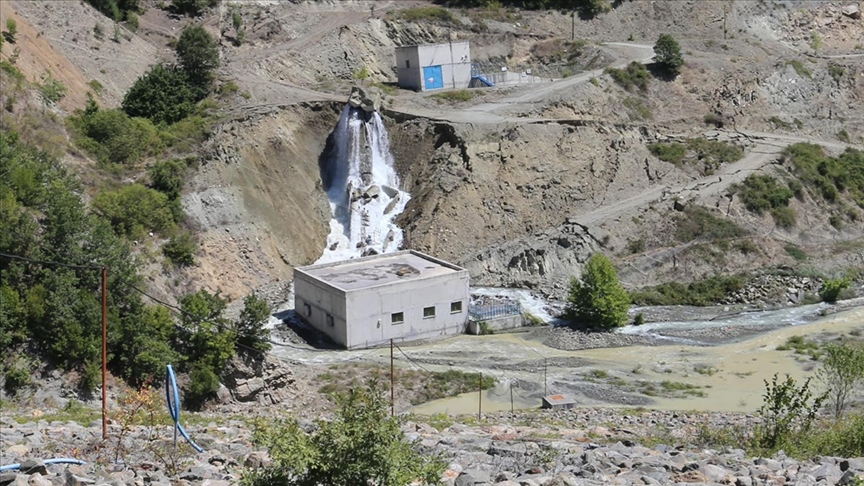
x,y
104,352
511,397
572,25
480,401
452,64
545,387
392,381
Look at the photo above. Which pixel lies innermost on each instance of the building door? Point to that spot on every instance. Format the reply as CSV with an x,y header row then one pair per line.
x,y
433,77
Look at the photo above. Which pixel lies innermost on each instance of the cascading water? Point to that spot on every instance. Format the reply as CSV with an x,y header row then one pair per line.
x,y
363,189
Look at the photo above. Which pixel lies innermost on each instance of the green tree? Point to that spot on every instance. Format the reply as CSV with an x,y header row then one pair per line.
x,y
788,411
597,298
198,54
362,445
143,344
134,210
842,373
163,95
831,288
251,330
181,249
192,7
667,54
168,176
212,340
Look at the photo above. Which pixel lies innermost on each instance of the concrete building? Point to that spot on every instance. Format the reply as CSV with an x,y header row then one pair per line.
x,y
434,66
368,301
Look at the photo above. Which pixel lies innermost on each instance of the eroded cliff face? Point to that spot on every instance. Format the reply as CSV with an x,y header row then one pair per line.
x,y
258,200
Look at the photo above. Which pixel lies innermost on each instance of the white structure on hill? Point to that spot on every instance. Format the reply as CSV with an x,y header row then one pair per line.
x,y
434,66
369,301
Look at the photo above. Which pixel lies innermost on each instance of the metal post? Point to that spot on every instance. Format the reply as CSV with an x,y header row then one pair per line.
x,y
104,352
573,25
545,387
511,397
392,381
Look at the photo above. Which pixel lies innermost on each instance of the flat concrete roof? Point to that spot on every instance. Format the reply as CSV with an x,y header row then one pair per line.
x,y
433,45
377,270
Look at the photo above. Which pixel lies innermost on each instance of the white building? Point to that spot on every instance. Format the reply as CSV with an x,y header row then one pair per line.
x,y
434,66
368,301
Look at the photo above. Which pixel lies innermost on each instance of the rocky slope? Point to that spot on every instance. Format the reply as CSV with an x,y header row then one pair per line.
x,y
552,448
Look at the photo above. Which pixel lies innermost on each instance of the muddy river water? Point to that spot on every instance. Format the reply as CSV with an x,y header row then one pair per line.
x,y
682,371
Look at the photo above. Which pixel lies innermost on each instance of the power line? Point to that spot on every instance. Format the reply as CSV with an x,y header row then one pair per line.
x,y
411,359
45,262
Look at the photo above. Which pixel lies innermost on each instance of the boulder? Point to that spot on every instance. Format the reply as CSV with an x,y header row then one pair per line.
x,y
851,11
366,98
470,477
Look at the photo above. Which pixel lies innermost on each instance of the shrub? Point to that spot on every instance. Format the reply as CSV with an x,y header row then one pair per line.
x,y
831,288
192,8
597,298
419,14
639,111
635,246
198,54
485,330
11,30
363,444
800,69
668,152
164,94
181,249
788,411
639,319
134,209
459,95
667,54
51,89
634,75
18,374
704,292
699,222
132,21
761,193
114,137
841,373
251,327
826,176
168,176
713,119
98,31
203,384
795,252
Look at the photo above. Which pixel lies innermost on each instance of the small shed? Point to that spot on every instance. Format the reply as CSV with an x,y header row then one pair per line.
x,y
434,66
558,401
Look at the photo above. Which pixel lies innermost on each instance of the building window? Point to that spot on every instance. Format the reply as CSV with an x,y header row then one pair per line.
x,y
428,312
329,320
407,64
308,309
456,307
397,318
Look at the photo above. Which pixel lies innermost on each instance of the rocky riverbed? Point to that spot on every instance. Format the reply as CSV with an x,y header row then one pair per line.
x,y
537,447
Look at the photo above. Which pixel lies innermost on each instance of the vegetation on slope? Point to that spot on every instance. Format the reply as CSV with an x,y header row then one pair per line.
x,y
597,299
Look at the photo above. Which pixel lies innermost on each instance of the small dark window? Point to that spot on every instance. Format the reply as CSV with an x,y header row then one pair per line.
x,y
397,318
428,312
456,307
407,64
308,309
329,320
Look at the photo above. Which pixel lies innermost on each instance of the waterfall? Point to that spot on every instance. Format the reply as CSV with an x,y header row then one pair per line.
x,y
363,189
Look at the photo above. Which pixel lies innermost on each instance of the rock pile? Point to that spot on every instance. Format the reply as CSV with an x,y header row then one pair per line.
x,y
539,447
775,289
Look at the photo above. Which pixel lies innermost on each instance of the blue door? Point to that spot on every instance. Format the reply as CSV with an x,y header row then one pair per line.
x,y
433,78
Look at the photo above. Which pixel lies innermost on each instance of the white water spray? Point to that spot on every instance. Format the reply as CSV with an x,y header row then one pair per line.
x,y
364,189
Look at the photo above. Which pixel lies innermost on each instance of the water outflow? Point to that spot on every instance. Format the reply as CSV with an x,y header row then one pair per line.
x,y
363,189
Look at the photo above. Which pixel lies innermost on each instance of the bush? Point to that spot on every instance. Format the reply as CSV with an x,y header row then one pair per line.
x,y
826,176
485,330
181,249
841,373
168,176
639,319
11,30
192,8
667,54
438,14
831,288
761,193
114,137
134,209
709,291
713,119
795,252
788,411
362,445
668,152
203,384
698,222
634,75
597,298
51,89
163,95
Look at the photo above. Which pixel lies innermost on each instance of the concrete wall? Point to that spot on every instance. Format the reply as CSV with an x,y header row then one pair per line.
x,y
455,67
323,300
410,76
370,310
497,324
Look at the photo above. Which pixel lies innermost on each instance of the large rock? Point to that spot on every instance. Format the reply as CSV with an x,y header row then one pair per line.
x,y
368,99
852,11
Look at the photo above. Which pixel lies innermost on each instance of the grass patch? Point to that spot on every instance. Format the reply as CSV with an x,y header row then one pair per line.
x,y
800,68
704,292
828,177
705,370
457,96
802,346
698,222
635,75
795,252
711,154
558,51
761,193
639,111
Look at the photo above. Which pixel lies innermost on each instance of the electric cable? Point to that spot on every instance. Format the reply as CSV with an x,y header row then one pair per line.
x,y
45,262
411,359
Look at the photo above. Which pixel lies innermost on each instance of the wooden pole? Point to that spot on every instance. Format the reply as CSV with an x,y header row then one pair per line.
x,y
104,352
511,397
545,387
392,383
573,25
